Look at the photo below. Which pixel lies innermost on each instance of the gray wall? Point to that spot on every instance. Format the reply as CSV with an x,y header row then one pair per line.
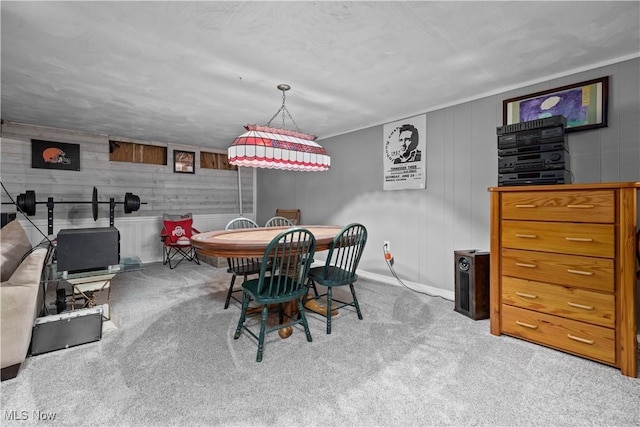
x,y
426,226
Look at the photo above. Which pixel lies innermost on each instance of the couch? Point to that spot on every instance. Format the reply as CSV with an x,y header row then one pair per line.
x,y
21,295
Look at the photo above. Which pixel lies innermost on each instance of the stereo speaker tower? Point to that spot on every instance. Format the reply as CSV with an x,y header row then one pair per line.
x,y
472,283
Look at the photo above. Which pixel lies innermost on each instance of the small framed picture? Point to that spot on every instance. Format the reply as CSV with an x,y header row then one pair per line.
x,y
184,161
583,104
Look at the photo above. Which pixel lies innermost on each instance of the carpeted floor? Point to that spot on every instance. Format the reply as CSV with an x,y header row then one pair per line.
x,y
412,361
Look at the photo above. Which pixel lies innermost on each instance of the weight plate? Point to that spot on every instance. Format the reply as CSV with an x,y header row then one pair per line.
x,y
131,203
94,203
27,202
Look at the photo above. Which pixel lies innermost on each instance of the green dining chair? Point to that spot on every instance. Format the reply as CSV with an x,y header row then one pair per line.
x,y
340,269
240,266
282,280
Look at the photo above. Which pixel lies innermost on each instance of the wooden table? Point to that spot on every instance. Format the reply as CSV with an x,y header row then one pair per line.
x,y
252,242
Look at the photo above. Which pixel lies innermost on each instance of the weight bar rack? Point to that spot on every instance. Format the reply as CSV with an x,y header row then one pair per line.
x,y
26,203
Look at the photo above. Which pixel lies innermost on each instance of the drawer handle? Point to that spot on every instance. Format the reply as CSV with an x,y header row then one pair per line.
x,y
527,236
526,325
522,264
586,307
580,206
584,273
523,295
525,206
579,239
584,340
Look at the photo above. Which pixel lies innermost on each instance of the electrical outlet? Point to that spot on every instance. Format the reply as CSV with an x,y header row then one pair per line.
x,y
387,245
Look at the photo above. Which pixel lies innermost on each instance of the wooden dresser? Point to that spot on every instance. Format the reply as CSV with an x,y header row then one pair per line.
x,y
563,268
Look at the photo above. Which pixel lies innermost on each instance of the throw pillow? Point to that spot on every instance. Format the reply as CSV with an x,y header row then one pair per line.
x,y
14,245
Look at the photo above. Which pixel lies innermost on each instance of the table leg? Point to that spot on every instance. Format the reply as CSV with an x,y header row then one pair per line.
x,y
291,309
313,305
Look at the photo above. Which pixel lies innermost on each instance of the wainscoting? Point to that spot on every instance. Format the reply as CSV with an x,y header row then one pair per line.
x,y
139,236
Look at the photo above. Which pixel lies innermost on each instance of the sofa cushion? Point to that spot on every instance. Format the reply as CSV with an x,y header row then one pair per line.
x,y
22,299
14,246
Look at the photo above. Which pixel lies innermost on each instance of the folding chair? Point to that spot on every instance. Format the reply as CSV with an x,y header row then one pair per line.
x,y
176,239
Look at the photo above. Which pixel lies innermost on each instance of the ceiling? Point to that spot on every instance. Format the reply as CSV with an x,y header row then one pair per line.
x,y
195,73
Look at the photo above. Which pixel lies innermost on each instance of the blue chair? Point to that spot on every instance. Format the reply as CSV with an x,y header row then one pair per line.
x,y
282,280
340,268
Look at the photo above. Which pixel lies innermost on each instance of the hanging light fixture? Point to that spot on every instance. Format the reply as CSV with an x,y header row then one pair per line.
x,y
275,148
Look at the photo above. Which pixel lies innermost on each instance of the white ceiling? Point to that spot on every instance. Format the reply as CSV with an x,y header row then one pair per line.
x,y
196,72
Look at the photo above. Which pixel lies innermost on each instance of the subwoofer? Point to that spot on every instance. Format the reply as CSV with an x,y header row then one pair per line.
x,y
84,249
472,283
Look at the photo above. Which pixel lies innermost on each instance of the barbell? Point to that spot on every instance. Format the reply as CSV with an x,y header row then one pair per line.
x,y
26,202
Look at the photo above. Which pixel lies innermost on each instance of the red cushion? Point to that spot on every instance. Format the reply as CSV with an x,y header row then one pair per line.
x,y
178,232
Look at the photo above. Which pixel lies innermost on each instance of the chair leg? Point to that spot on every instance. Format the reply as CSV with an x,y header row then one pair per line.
x,y
233,280
355,301
329,291
312,284
263,325
304,320
171,252
194,256
243,315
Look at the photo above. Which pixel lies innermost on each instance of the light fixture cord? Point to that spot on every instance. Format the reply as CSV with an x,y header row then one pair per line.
x,y
283,109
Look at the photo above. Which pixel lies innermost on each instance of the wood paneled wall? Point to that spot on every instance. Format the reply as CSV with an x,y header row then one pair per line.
x,y
205,193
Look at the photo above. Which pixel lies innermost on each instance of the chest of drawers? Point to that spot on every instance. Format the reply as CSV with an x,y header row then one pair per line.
x,y
563,268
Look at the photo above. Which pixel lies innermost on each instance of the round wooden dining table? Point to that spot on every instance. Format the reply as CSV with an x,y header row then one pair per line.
x,y
252,243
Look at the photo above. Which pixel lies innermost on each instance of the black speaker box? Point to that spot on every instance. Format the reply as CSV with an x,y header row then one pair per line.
x,y
7,217
85,249
472,283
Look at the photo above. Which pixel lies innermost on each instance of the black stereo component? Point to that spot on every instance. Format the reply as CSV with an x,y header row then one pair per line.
x,y
533,161
85,249
472,283
534,178
533,152
532,137
552,146
547,122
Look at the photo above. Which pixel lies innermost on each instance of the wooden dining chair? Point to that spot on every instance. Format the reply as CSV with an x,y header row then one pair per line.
x,y
292,215
282,280
278,221
240,266
340,269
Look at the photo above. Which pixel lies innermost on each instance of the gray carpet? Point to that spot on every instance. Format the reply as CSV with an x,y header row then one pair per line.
x,y
412,361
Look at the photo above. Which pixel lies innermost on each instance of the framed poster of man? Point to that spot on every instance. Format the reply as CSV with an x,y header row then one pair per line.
x,y
404,156
55,155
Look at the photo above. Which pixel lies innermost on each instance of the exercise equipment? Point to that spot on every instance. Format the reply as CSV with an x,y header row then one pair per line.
x,y
26,203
